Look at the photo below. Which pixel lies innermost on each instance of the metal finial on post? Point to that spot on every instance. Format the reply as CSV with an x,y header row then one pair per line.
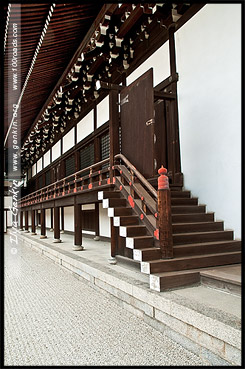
x,y
165,217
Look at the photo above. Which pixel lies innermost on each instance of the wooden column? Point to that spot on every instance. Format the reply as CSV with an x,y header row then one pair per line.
x,y
164,215
26,221
77,227
21,221
114,149
51,220
33,224
174,150
43,224
97,222
56,224
114,242
113,128
62,219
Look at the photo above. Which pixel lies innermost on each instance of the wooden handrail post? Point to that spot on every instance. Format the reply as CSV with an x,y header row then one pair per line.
x,y
165,217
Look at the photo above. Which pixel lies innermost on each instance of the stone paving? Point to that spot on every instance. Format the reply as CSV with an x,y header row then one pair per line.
x,y
54,319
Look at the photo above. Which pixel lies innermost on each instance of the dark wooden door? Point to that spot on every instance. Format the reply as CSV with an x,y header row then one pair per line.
x,y
137,123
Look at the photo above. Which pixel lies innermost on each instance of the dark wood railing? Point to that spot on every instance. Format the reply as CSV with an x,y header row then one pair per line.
x,y
153,207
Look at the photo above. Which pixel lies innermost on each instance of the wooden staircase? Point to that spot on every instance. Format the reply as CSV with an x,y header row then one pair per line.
x,y
200,242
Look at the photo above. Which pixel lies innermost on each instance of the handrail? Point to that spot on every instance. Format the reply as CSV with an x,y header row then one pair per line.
x,y
138,174
65,178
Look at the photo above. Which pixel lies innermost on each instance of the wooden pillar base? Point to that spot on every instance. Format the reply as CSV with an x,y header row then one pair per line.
x,y
42,236
112,260
33,233
96,238
26,231
62,231
77,248
51,230
57,240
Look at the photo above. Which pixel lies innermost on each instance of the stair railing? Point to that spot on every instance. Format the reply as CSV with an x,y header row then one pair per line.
x,y
155,206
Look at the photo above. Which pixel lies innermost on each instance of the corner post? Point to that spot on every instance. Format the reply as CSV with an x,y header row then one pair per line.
x,y
26,222
165,217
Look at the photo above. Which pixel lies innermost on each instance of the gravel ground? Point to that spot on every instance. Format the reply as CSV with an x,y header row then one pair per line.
x,y
54,319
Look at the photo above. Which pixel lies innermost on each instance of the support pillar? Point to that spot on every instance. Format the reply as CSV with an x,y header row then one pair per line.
x,y
52,220
57,225
33,224
114,241
26,222
21,221
43,224
62,220
77,227
97,222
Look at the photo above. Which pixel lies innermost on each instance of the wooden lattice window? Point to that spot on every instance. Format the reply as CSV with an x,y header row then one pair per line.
x,y
70,167
87,156
105,146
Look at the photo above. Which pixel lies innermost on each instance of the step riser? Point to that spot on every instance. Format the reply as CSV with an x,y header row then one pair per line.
x,y
189,250
189,218
202,262
188,209
108,195
164,283
201,227
113,203
180,194
132,232
203,237
125,221
133,243
114,212
184,201
146,255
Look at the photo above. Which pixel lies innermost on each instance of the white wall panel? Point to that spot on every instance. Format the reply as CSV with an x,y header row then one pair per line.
x,y
103,111
105,225
209,88
46,159
159,60
39,165
68,140
56,150
69,218
48,218
34,170
85,126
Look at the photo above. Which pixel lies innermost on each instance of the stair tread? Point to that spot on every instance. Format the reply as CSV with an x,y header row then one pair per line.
x,y
141,237
193,257
188,271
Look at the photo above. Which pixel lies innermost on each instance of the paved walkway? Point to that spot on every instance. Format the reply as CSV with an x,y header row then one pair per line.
x,y
52,318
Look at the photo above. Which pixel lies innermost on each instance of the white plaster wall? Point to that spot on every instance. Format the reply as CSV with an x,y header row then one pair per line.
x,y
68,140
46,159
39,165
159,60
34,170
48,218
88,207
209,88
69,218
103,111
56,150
105,225
85,126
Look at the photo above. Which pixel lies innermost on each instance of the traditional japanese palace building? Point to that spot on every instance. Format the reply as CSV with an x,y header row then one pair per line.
x,y
130,130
